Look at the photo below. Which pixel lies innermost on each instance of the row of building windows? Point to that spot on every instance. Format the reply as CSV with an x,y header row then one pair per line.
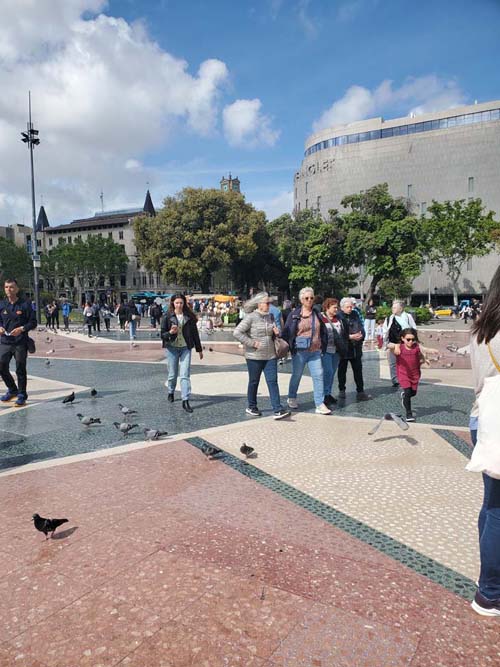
x,y
411,128
69,239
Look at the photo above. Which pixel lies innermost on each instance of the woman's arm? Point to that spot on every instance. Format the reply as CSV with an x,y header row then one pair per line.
x,y
395,347
242,330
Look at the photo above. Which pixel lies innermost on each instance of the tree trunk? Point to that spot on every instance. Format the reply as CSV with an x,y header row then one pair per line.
x,y
371,290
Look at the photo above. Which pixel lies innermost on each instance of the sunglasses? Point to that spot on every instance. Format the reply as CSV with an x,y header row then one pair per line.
x,y
308,298
410,340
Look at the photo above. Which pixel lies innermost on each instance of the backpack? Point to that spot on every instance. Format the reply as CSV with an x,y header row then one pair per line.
x,y
395,330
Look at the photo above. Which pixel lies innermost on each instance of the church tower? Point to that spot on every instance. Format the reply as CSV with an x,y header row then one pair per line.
x,y
230,183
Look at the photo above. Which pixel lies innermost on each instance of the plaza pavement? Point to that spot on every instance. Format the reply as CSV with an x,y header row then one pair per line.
x,y
330,547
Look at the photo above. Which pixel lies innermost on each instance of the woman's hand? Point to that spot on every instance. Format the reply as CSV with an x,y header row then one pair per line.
x,y
397,349
276,331
174,329
201,355
256,344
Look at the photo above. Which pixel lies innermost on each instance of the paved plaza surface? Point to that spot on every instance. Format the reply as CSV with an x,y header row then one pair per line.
x,y
330,547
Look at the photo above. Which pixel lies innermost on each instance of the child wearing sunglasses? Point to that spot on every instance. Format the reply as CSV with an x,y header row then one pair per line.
x,y
409,359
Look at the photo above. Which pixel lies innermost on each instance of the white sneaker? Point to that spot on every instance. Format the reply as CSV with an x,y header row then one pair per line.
x,y
323,410
292,403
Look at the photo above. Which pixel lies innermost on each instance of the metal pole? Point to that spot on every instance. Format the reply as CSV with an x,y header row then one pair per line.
x,y
34,247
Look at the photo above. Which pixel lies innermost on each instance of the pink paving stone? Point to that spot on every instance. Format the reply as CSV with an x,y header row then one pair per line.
x,y
97,629
12,658
177,645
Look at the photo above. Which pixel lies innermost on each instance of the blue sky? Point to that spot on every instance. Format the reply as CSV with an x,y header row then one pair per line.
x,y
121,100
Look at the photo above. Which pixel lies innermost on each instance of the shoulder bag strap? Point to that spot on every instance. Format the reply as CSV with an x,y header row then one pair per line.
x,y
495,362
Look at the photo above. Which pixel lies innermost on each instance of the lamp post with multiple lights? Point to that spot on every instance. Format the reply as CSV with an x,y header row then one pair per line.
x,y
30,137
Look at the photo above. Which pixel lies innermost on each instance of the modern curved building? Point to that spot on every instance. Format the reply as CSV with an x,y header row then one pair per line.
x,y
454,154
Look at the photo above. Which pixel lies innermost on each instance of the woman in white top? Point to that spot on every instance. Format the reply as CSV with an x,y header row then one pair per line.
x,y
485,362
393,326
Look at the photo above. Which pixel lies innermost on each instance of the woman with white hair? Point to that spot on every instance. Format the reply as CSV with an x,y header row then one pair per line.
x,y
393,326
306,334
257,332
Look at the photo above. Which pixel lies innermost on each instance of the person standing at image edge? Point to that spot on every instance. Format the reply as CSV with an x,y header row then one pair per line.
x,y
16,319
179,334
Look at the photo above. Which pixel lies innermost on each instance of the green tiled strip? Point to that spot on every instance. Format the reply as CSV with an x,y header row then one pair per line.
x,y
454,441
453,581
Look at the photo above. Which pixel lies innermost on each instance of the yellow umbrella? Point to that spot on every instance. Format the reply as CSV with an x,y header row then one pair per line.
x,y
224,298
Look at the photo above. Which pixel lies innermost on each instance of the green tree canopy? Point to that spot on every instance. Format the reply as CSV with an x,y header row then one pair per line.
x,y
15,262
380,234
200,231
309,249
456,232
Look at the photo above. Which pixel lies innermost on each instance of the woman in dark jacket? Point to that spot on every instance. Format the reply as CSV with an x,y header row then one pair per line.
x,y
179,334
132,317
306,334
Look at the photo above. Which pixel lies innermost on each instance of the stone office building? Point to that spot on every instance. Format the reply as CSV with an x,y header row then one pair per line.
x,y
454,154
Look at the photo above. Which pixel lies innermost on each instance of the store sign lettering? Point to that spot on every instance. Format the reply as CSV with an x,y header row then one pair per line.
x,y
313,168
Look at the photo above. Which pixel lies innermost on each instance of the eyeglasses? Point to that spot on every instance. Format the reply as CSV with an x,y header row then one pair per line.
x,y
410,340
308,298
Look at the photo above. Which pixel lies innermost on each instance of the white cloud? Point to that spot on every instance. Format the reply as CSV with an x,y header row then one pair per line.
x,y
308,24
246,127
102,91
276,205
417,94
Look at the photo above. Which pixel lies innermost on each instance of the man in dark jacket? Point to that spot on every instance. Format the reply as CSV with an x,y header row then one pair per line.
x,y
354,335
16,319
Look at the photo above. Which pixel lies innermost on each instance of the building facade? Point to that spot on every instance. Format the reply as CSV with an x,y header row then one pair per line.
x,y
450,155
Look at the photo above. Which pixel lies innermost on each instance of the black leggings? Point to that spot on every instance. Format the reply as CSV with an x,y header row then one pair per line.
x,y
408,394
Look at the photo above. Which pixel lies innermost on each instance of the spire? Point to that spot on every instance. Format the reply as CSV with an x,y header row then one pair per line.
x,y
148,205
42,221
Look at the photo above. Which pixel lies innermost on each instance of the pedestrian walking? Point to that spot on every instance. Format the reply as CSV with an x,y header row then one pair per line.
x,y
353,334
17,318
257,332
88,317
96,312
121,311
331,357
370,317
179,334
485,362
131,316
393,326
106,316
305,333
66,311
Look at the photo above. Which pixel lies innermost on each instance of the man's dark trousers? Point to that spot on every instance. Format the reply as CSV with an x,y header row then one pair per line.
x,y
357,371
20,353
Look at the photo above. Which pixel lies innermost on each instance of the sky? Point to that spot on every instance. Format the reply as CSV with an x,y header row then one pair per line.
x,y
164,94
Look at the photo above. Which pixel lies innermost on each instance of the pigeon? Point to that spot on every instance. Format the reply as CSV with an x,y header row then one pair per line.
x,y
124,427
50,351
210,451
48,339
135,344
154,434
246,450
69,399
88,421
93,393
47,525
47,362
126,411
71,347
452,348
210,349
390,416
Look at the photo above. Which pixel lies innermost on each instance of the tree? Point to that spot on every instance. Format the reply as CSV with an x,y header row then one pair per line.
x,y
457,231
201,231
15,262
380,234
309,249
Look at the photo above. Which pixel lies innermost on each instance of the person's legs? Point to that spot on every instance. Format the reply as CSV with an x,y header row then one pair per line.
x,y
57,320
342,373
172,355
316,371
107,323
89,327
357,371
391,358
20,355
185,373
407,395
66,322
255,368
298,365
132,329
327,361
6,353
489,542
271,375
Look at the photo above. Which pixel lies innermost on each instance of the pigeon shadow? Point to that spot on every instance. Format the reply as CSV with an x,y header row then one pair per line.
x,y
23,459
408,438
440,408
64,533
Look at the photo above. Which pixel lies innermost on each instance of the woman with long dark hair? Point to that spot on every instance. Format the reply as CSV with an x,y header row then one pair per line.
x,y
179,334
485,361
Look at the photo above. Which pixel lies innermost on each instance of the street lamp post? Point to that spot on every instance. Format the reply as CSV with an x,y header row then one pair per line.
x,y
30,137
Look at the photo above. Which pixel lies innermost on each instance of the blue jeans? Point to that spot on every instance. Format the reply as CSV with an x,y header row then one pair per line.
x,y
179,364
330,364
489,535
132,325
313,361
270,368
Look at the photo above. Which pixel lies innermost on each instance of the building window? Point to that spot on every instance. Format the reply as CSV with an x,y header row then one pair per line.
x,y
409,192
101,281
110,235
295,194
423,208
307,203
38,243
120,235
79,237
134,282
123,281
307,184
318,202
50,241
471,184
60,240
70,239
469,265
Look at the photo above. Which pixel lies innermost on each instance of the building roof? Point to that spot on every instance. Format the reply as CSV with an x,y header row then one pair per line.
x,y
42,221
148,205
